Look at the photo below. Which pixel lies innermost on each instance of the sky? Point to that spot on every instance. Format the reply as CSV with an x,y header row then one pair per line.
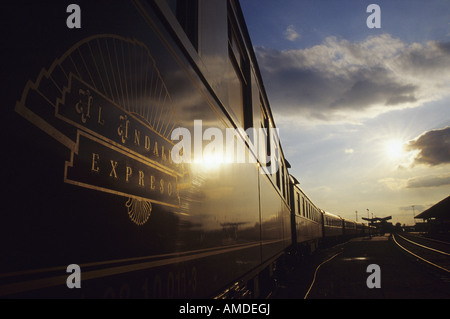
x,y
363,113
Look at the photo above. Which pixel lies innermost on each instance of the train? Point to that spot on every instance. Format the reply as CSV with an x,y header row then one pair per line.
x,y
313,227
100,196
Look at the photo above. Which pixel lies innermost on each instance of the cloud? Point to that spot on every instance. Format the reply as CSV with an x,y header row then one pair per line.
x,y
432,147
340,80
290,33
429,181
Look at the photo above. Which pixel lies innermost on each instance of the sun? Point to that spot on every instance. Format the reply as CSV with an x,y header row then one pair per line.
x,y
394,149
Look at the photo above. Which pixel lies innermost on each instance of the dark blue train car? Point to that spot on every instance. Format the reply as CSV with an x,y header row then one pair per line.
x,y
89,174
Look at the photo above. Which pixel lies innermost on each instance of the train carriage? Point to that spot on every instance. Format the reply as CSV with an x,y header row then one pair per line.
x,y
90,115
349,228
361,229
333,228
306,220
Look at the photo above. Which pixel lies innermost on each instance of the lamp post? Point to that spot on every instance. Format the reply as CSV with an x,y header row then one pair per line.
x,y
414,214
368,223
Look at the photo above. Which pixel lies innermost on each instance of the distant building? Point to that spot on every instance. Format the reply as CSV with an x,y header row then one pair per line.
x,y
437,216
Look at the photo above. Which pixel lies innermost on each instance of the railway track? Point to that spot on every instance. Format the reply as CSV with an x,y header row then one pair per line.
x,y
432,252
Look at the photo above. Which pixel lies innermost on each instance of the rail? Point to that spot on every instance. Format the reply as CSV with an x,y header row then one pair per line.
x,y
416,253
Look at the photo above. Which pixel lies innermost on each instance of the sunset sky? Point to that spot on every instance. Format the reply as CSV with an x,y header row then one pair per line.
x,y
363,114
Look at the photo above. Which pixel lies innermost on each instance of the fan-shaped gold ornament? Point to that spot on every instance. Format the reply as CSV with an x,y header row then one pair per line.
x,y
122,73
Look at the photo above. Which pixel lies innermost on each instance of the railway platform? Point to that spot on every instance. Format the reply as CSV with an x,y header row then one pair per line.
x,y
343,272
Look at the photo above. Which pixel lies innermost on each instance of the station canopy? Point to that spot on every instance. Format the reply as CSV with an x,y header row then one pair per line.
x,y
439,211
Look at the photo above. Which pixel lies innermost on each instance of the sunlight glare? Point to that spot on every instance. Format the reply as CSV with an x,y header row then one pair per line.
x,y
394,149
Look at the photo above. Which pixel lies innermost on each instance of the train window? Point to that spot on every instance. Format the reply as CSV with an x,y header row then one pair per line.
x,y
298,204
186,12
278,177
288,198
238,74
286,185
303,204
265,124
235,92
